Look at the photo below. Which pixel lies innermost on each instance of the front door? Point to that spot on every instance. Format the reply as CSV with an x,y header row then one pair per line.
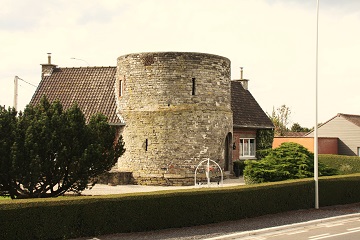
x,y
227,151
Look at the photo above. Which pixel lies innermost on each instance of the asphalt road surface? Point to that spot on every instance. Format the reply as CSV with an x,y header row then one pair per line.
x,y
346,227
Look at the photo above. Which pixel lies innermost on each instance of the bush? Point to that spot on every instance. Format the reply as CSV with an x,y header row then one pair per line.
x,y
336,190
238,167
288,161
263,153
93,216
47,151
344,164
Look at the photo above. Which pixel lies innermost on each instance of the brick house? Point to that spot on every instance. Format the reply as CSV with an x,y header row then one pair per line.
x,y
248,118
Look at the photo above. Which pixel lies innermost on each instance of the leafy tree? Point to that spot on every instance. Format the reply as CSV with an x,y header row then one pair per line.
x,y
50,151
297,128
7,138
288,161
280,119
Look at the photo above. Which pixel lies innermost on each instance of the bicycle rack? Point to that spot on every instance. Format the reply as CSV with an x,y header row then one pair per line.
x,y
208,171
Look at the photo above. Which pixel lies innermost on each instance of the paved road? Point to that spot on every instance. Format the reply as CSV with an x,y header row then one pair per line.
x,y
245,226
338,228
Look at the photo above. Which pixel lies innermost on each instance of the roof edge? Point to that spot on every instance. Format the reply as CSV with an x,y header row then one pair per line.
x,y
253,126
117,124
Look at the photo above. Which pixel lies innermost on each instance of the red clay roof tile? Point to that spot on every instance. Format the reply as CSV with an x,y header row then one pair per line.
x,y
92,88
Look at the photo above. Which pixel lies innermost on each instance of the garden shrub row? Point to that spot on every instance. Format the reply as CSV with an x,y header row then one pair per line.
x,y
69,217
338,190
344,164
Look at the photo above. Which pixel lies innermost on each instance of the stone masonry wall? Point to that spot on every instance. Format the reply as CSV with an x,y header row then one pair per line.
x,y
176,108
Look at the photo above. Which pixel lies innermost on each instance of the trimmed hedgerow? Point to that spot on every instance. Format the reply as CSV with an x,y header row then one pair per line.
x,y
92,216
70,217
337,190
344,164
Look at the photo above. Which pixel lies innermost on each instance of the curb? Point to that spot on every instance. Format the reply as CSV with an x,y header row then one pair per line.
x,y
284,227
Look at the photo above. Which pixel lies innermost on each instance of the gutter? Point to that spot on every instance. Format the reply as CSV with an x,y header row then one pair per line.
x,y
253,126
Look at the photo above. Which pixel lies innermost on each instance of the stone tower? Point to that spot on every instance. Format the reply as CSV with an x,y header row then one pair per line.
x,y
177,111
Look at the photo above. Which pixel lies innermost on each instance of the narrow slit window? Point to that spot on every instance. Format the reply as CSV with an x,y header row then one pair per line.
x,y
193,86
120,88
146,144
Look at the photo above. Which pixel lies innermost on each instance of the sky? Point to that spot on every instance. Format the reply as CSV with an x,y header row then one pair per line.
x,y
273,40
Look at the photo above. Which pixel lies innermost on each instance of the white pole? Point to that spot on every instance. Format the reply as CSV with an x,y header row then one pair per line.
x,y
208,172
316,159
16,82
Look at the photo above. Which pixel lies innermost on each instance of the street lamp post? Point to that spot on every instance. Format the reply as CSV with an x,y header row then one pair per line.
x,y
316,153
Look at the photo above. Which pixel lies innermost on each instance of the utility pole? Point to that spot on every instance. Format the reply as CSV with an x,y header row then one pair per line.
x,y
16,83
16,86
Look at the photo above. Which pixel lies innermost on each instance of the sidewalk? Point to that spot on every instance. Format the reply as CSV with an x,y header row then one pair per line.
x,y
102,189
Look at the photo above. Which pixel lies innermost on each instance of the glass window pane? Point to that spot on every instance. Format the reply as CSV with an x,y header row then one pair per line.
x,y
241,147
252,147
246,147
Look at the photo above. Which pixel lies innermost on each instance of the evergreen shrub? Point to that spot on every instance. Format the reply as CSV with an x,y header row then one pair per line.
x,y
238,167
288,161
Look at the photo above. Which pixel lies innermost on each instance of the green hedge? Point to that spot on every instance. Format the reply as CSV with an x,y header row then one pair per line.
x,y
344,164
70,217
337,190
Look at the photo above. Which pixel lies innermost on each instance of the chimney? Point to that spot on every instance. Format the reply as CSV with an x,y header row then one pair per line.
x,y
244,82
46,69
49,58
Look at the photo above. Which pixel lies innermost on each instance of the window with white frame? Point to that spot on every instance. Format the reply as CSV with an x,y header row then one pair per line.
x,y
247,147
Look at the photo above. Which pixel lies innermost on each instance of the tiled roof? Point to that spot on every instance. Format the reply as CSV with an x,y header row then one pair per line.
x,y
92,88
355,119
295,134
246,111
